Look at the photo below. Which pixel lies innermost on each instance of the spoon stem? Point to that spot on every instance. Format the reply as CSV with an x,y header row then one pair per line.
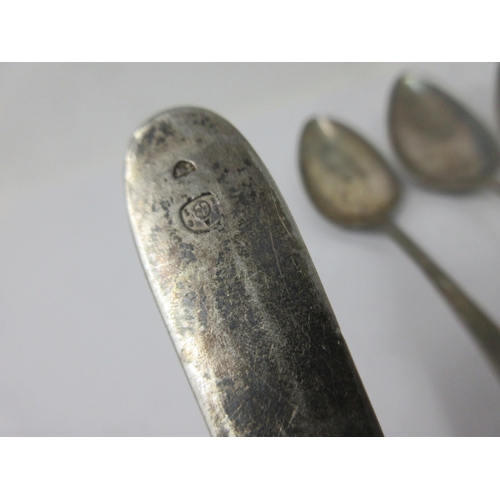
x,y
485,332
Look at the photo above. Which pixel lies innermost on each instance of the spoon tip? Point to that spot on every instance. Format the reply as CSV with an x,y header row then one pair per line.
x,y
409,81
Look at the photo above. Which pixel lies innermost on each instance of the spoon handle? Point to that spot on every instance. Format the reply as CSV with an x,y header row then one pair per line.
x,y
485,332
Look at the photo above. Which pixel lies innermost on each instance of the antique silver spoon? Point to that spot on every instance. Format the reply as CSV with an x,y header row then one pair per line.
x,y
351,184
235,284
438,140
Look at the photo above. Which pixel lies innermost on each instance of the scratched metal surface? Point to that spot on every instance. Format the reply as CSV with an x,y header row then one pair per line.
x,y
236,286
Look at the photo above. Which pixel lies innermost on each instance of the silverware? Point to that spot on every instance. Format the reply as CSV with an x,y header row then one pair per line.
x,y
439,141
235,285
351,184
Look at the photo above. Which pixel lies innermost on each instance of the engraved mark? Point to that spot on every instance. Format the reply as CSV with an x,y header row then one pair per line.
x,y
183,168
201,210
202,213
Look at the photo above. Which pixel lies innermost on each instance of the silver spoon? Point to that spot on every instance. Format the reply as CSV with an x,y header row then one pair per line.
x,y
235,284
351,184
439,141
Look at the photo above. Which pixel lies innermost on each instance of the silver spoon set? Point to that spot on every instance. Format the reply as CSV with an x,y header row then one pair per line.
x,y
233,280
443,147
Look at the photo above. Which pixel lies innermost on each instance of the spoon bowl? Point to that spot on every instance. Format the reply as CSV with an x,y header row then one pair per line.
x,y
351,184
345,176
438,140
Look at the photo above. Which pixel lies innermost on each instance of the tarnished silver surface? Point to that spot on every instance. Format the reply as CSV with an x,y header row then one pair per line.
x,y
345,176
236,286
439,141
351,184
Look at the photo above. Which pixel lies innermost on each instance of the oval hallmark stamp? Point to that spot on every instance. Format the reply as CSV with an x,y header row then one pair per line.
x,y
202,213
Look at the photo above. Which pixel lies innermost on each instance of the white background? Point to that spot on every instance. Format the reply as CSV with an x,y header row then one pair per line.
x,y
83,350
